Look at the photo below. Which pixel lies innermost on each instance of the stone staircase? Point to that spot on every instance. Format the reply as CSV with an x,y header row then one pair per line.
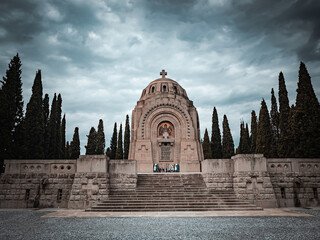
x,y
171,192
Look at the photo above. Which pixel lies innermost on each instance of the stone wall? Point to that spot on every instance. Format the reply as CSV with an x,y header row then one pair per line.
x,y
91,182
123,175
36,183
218,174
251,180
296,182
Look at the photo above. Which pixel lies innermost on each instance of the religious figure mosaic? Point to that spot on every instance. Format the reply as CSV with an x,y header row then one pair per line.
x,y
165,129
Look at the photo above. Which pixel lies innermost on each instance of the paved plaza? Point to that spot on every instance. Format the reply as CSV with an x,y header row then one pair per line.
x,y
70,224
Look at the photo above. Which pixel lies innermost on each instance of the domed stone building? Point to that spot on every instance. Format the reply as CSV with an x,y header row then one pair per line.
x,y
165,128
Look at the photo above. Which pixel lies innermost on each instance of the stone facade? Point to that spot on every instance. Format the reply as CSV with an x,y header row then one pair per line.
x,y
266,182
83,182
165,128
36,183
64,183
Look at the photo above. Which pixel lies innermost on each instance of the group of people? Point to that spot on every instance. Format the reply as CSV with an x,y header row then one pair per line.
x,y
172,168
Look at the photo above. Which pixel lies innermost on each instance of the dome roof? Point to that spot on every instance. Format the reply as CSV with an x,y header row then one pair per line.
x,y
163,85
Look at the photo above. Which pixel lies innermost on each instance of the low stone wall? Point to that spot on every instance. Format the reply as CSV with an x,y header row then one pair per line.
x,y
91,182
36,183
123,175
218,174
296,182
251,180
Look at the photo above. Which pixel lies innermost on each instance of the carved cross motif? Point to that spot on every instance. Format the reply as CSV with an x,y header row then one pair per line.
x,y
163,73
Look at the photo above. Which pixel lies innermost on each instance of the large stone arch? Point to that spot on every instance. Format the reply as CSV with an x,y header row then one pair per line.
x,y
184,118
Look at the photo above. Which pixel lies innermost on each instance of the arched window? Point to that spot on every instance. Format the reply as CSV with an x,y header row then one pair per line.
x,y
164,88
175,89
152,89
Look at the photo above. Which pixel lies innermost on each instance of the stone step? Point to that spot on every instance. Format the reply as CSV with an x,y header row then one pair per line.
x,y
117,204
174,209
129,209
173,206
172,192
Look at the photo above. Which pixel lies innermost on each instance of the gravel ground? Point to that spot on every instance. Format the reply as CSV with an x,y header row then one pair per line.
x,y
28,224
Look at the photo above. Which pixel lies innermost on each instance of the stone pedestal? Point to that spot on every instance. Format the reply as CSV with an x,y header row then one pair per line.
x,y
91,181
251,180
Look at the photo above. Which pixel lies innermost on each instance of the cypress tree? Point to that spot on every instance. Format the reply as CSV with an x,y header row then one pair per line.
x,y
75,145
306,115
67,156
101,142
126,143
264,135
227,140
63,138
253,137
11,112
45,106
293,135
216,147
284,110
58,152
92,142
274,114
35,122
52,134
113,143
206,146
244,146
119,152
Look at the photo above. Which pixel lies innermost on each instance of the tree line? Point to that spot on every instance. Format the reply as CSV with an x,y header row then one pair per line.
x,y
117,149
288,132
40,133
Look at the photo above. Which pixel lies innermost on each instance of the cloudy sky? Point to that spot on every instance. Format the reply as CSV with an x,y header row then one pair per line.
x,y
101,54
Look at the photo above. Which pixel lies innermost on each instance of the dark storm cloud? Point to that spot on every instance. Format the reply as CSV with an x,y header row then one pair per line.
x,y
19,21
100,54
292,26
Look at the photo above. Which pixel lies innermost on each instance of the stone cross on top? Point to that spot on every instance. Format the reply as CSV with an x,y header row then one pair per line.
x,y
163,73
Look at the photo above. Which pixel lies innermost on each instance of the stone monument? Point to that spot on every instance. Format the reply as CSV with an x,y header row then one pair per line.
x,y
165,128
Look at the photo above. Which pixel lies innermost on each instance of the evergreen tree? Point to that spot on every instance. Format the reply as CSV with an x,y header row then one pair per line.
x,y
63,138
67,156
305,118
244,146
52,134
264,135
11,111
206,146
45,106
92,142
119,152
227,140
58,152
274,114
75,145
284,110
293,135
101,141
126,143
216,147
113,143
34,121
253,137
